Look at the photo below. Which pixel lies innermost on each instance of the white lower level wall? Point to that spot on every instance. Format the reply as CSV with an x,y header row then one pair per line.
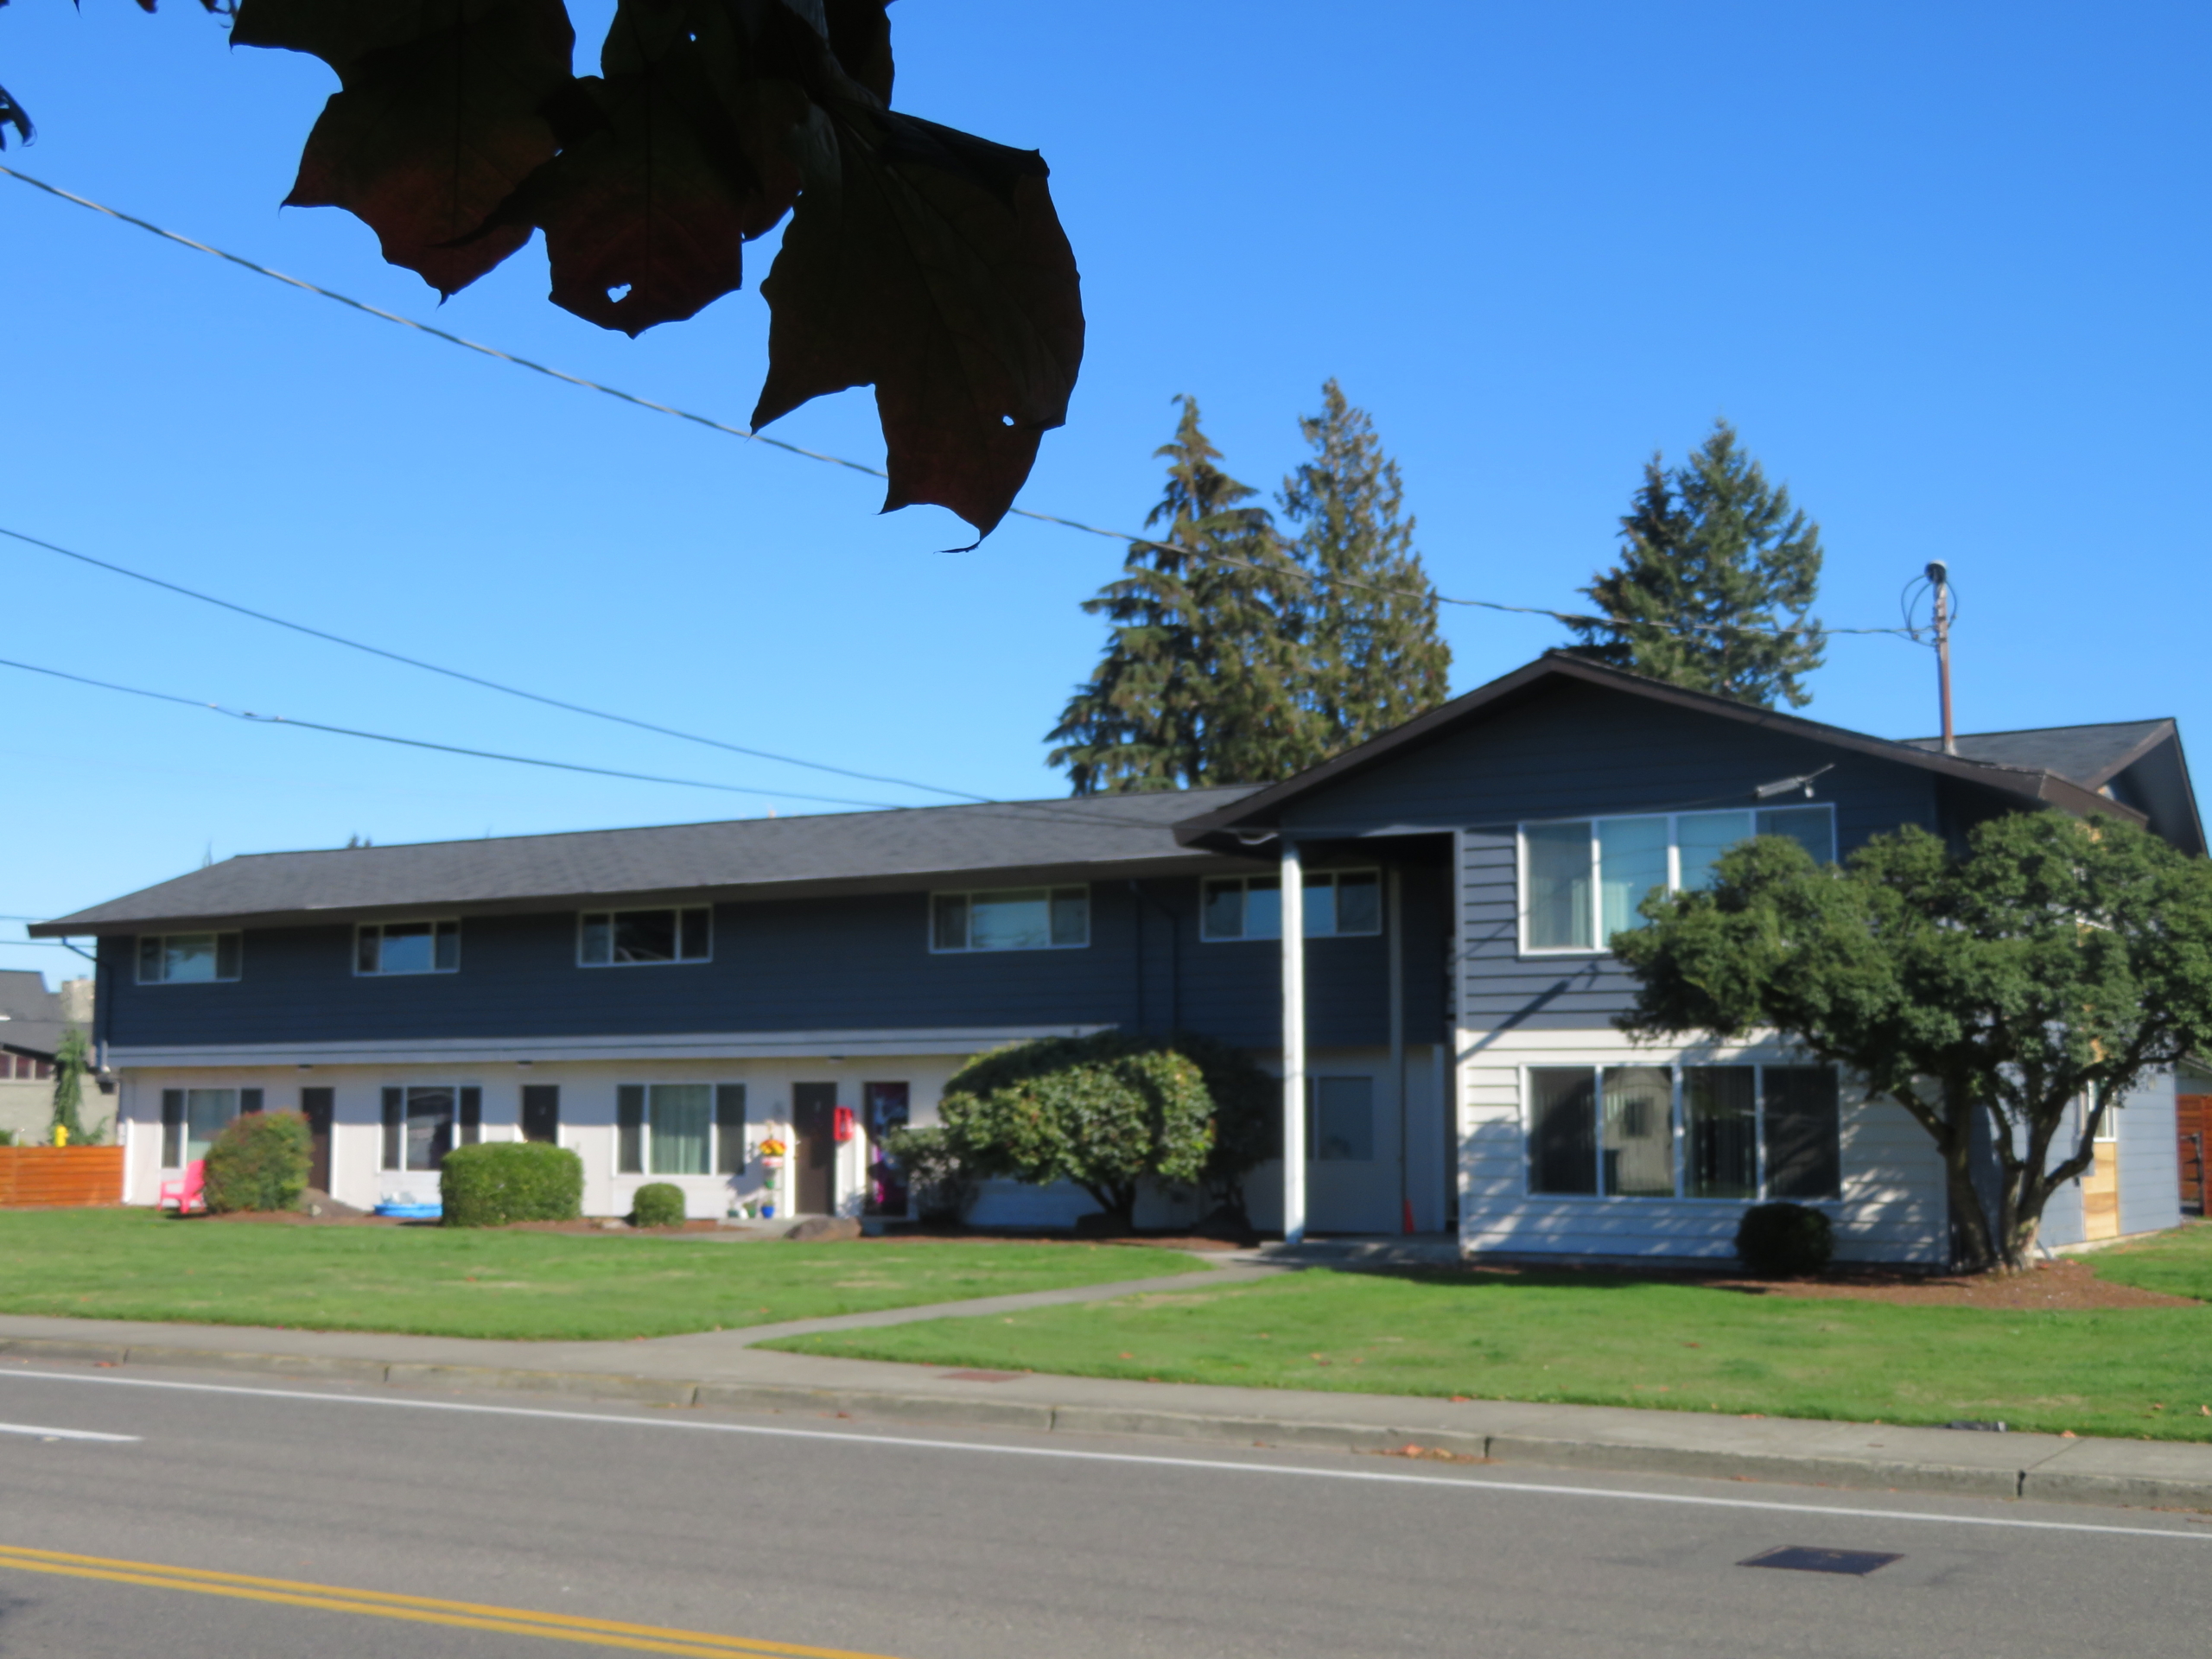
x,y
1892,1207
587,1119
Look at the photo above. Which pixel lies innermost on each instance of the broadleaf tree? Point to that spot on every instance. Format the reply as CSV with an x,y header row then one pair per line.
x,y
1198,682
1106,1112
2008,995
1374,657
1716,581
922,261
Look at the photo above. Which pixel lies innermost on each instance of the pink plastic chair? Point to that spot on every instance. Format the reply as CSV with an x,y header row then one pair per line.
x,y
190,1193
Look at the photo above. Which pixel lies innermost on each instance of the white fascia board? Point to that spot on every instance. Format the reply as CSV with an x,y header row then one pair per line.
x,y
716,1045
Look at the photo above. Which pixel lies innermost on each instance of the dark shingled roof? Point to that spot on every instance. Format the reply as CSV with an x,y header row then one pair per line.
x,y
2090,755
880,850
33,1013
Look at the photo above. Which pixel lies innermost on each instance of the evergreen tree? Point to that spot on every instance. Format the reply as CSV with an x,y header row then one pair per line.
x,y
1373,656
1197,685
71,1061
1715,579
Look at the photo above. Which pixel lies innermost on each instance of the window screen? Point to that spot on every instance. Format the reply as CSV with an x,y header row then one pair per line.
x,y
1558,887
1343,1121
1562,1129
1804,1154
1721,1159
1639,1132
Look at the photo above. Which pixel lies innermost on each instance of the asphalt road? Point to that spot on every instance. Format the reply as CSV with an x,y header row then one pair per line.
x,y
247,1518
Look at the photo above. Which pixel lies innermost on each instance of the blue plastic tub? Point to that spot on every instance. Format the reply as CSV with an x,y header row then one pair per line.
x,y
412,1211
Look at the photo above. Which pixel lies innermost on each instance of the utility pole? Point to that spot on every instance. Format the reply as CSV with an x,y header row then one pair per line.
x,y
1938,581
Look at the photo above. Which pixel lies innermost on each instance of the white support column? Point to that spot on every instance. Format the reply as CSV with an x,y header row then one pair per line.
x,y
1394,915
1293,1044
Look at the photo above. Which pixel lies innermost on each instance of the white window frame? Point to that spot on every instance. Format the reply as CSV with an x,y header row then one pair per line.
x,y
1328,878
383,1168
1679,1128
138,957
1052,890
434,923
1596,885
714,1086
677,910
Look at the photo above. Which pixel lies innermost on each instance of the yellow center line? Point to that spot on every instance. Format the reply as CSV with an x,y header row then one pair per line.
x,y
421,1610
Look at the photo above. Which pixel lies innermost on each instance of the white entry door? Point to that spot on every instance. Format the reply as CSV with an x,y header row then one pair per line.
x,y
1351,1156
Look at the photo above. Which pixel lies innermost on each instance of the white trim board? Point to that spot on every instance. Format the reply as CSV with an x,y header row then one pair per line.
x,y
496,1050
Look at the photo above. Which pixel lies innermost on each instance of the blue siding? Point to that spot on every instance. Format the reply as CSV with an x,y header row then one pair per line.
x,y
797,964
2149,1169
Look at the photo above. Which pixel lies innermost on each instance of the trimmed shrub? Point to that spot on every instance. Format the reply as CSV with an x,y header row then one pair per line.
x,y
258,1162
495,1182
1106,1112
943,1188
659,1204
1783,1241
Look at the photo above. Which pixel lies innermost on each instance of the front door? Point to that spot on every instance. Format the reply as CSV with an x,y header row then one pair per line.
x,y
541,1112
316,1106
814,1149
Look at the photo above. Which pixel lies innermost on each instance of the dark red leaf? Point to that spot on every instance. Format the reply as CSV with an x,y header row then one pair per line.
x,y
440,117
646,217
935,270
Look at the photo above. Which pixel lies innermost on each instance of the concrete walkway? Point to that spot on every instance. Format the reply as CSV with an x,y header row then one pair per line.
x,y
723,1368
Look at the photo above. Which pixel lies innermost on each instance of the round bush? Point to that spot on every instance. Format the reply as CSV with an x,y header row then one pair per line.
x,y
1783,1241
258,1162
499,1181
659,1204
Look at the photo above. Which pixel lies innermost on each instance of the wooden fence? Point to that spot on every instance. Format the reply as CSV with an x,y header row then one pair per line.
x,y
48,1178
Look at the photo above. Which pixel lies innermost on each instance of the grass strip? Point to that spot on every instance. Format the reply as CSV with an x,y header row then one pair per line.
x,y
132,1264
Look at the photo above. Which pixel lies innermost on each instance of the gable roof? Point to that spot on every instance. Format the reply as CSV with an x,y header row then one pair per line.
x,y
1130,835
2025,771
30,1015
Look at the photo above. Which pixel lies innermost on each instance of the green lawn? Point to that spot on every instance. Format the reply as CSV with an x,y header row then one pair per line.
x,y
1626,1341
131,1264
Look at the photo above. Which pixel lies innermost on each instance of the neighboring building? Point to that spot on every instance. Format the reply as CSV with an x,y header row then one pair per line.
x,y
32,1020
662,999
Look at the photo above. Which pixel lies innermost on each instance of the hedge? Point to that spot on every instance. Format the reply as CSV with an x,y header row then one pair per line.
x,y
495,1182
659,1204
258,1162
1782,1241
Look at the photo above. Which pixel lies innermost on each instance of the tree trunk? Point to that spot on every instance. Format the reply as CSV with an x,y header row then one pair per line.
x,y
1974,1247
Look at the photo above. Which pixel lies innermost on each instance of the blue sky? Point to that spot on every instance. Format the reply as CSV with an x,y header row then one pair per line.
x,y
1944,266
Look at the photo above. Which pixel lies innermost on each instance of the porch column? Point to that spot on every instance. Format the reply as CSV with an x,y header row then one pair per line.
x,y
1293,1044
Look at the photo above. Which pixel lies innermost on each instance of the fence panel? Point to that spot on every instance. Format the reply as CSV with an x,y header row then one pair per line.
x,y
48,1178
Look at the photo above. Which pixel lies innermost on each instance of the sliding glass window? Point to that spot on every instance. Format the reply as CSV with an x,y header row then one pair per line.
x,y
1741,1132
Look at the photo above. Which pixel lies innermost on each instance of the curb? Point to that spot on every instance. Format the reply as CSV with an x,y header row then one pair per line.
x,y
2043,1484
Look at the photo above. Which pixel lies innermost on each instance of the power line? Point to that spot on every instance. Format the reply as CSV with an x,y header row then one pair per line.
x,y
1431,596
479,680
1018,811
443,748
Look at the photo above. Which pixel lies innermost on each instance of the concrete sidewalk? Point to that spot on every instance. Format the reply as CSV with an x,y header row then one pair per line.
x,y
722,1368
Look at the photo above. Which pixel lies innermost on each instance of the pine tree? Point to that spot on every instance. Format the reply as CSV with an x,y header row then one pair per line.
x,y
1715,580
1373,656
1195,686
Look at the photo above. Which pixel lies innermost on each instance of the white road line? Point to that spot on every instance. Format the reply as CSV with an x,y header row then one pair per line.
x,y
60,1433
1388,1478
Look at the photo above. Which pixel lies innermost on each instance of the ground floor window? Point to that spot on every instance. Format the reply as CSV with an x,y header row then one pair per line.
x,y
424,1122
680,1128
1742,1132
192,1118
1340,1120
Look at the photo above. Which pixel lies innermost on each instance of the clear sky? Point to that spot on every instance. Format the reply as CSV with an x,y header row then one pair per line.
x,y
1944,266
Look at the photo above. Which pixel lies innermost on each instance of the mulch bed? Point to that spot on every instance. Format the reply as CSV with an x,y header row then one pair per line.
x,y
2064,1285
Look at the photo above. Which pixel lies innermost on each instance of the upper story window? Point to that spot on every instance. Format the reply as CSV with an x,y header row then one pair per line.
x,y
628,938
187,958
1011,919
407,948
1582,880
1337,902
